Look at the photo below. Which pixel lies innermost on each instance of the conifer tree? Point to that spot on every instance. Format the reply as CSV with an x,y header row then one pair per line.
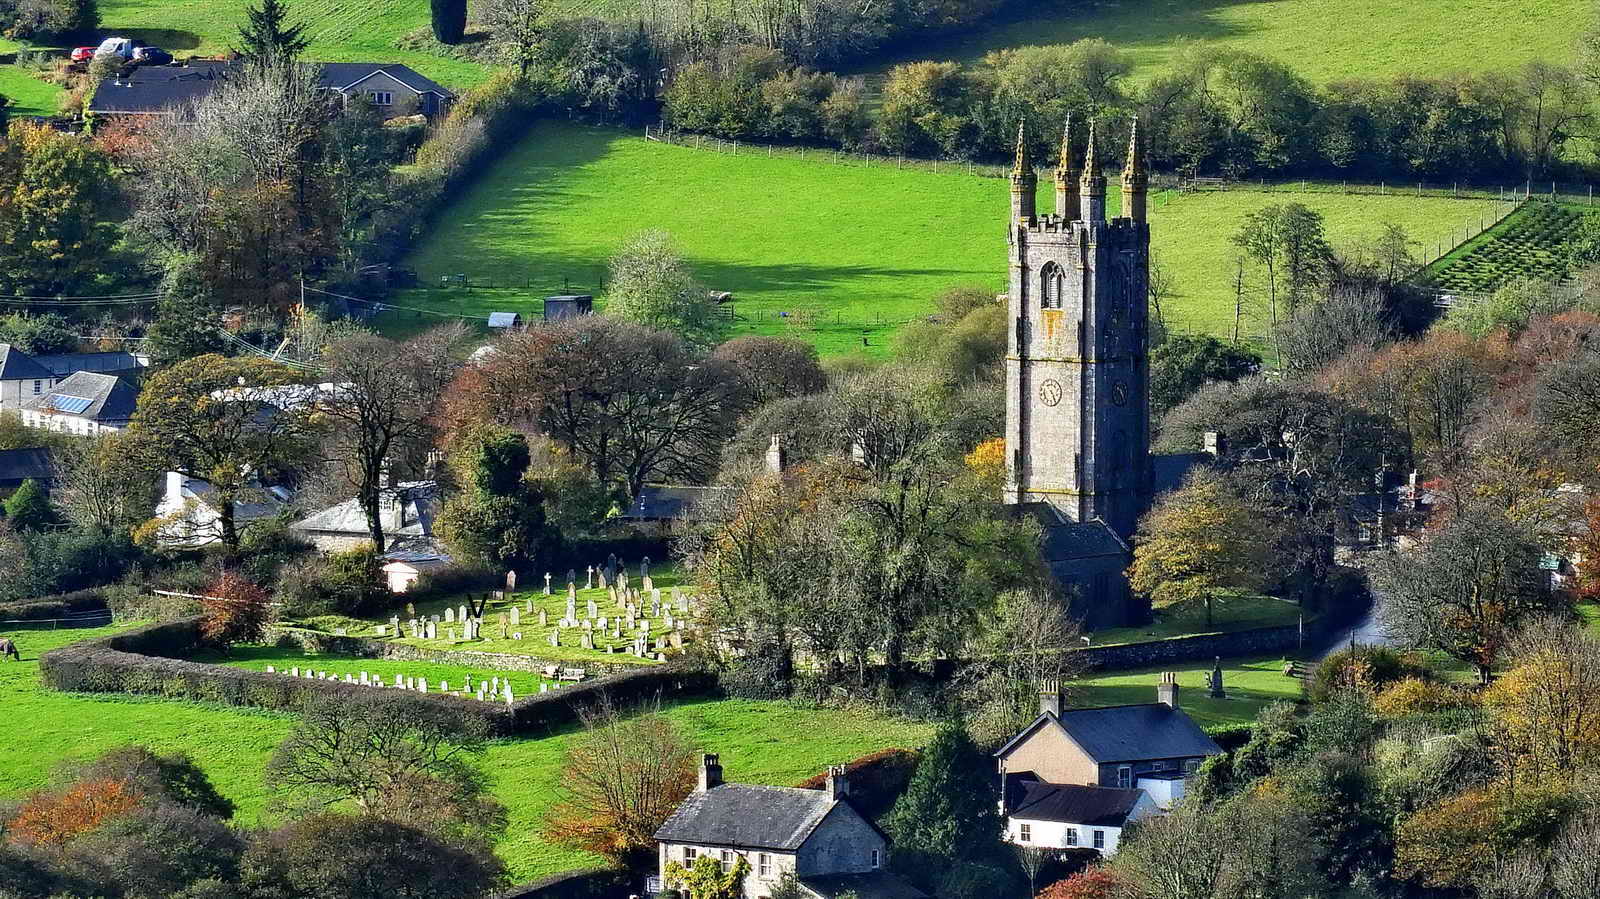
x,y
266,34
449,20
28,509
949,812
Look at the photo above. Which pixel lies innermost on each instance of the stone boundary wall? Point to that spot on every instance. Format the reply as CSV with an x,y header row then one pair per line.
x,y
588,883
369,648
147,661
1199,648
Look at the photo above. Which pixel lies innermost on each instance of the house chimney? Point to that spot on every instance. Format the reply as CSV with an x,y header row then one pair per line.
x,y
838,782
1216,444
777,459
1050,698
1167,689
710,772
174,487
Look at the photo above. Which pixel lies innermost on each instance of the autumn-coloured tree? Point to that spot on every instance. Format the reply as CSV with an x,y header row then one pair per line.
x,y
50,820
622,777
1445,844
1198,544
988,461
1543,711
234,611
1092,883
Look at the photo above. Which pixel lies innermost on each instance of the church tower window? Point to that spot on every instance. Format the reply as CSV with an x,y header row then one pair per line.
x,y
1052,284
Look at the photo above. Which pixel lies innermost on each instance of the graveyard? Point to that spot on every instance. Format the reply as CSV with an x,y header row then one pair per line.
x,y
612,618
434,676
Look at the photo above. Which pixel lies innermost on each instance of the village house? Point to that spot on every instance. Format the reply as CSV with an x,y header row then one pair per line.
x,y
1075,777
189,508
408,510
23,377
393,89
85,403
816,836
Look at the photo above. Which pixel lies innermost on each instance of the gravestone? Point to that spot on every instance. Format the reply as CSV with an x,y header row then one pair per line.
x,y
411,610
572,607
676,639
594,612
622,579
647,584
516,617
511,580
444,686
461,613
271,670
588,624
555,637
644,567
502,623
602,624
452,635
589,584
588,640
616,598
544,618
450,615
422,685
1214,681
509,697
341,632
295,671
605,579
547,583
394,625
433,630
517,635
382,630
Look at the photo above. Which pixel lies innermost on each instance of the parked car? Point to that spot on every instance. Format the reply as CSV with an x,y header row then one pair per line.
x,y
82,54
151,56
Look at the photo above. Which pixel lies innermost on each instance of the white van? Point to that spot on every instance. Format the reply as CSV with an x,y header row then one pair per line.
x,y
116,46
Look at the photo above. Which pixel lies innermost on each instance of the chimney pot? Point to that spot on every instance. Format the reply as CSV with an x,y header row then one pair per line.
x,y
1050,697
838,782
710,772
1167,689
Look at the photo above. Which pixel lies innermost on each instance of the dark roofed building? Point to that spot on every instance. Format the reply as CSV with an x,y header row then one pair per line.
x,y
21,378
84,403
1089,560
817,836
660,503
27,464
1075,816
114,362
395,89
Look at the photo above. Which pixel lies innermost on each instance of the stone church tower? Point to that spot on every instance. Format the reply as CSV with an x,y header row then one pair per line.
x,y
1077,367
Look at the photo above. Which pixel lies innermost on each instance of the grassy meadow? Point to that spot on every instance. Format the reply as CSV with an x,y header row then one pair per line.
x,y
760,742
1324,40
837,254
1251,684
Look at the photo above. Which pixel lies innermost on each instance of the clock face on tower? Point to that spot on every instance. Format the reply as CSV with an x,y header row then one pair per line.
x,y
1050,392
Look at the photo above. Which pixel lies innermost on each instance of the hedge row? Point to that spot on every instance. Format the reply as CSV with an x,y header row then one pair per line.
x,y
61,605
142,661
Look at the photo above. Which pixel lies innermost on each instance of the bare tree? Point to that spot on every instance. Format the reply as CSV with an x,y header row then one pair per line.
x,y
514,26
1032,859
622,777
103,484
382,396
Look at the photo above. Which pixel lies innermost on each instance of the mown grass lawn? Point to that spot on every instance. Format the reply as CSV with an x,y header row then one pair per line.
x,y
760,742
836,254
28,95
1232,614
1251,684
285,659
1323,40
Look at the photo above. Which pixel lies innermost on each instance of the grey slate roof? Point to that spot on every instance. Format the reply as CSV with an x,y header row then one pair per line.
x,y
110,399
15,365
341,75
746,815
1065,541
64,364
1167,470
420,498
870,885
662,503
156,90
18,465
1122,733
1077,804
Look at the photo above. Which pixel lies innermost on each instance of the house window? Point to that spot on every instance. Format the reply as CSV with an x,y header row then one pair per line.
x,y
764,865
38,387
1124,776
1024,832
875,859
1099,839
1190,766
727,860
688,855
381,98
1072,836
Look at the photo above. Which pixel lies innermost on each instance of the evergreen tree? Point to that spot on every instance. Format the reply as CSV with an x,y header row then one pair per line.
x,y
185,324
29,509
949,812
449,20
267,36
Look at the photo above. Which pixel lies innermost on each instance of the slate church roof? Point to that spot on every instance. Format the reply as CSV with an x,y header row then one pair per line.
x,y
1065,541
747,815
1077,804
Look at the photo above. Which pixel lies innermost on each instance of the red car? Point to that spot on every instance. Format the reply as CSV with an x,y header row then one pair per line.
x,y
82,54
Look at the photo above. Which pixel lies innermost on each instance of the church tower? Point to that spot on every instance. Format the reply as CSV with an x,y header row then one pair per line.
x,y
1077,369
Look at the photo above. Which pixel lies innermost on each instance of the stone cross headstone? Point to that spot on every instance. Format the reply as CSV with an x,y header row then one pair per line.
x,y
468,686
394,624
511,580
589,583
547,583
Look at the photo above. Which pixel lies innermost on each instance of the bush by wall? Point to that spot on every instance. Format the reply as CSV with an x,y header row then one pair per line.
x,y
589,883
145,661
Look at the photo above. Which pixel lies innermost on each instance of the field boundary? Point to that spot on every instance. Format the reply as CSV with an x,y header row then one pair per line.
x,y
146,661
368,647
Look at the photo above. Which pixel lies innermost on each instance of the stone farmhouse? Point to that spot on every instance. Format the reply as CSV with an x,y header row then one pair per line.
x,y
816,836
1075,777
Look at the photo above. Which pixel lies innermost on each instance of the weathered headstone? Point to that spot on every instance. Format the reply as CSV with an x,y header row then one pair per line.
x,y
544,618
271,670
605,579
382,630
516,617
461,613
676,639
594,611
1214,681
452,635
647,584
422,685
511,580
433,630
509,697
572,607
555,637
622,578
450,615
411,610
444,686
517,635
587,641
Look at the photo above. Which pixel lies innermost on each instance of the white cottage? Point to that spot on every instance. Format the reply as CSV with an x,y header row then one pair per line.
x,y
816,836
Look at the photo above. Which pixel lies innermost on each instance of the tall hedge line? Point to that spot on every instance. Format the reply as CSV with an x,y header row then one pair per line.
x,y
142,661
61,605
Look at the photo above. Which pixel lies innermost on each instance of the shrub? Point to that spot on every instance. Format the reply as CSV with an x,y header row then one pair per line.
x,y
175,778
50,819
1413,696
1095,883
158,850
1369,668
449,19
234,611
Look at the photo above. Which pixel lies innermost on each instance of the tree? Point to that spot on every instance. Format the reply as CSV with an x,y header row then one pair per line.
x,y
186,324
158,850
1542,710
362,749
381,408
1349,319
498,517
51,819
57,193
1092,883
1013,653
365,857
1567,401
948,813
1288,241
1466,588
266,38
105,484
1183,363
514,27
631,403
1032,860
355,582
774,367
623,776
28,509
1198,543
217,419
1392,252
651,285
234,611
449,18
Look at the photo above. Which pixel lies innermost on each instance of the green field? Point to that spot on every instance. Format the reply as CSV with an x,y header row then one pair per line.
x,y
1529,243
1242,613
760,742
28,95
833,253
1323,40
1250,683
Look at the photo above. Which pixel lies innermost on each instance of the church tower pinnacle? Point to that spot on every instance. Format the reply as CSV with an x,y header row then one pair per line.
x,y
1024,183
1135,179
1066,177
1093,182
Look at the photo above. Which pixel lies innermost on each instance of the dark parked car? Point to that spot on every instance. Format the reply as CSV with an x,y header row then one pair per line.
x,y
151,56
